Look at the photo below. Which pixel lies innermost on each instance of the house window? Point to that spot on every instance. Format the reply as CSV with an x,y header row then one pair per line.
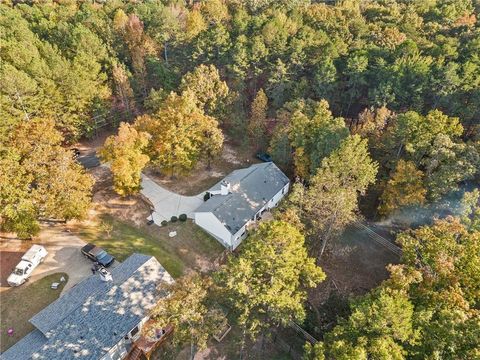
x,y
134,331
283,191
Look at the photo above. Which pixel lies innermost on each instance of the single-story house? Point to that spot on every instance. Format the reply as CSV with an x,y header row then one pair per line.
x,y
240,199
96,319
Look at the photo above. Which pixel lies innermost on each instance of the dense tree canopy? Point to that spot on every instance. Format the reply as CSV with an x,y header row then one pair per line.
x,y
39,178
342,93
266,284
402,55
428,308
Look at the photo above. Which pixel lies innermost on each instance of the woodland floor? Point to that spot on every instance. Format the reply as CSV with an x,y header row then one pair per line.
x,y
200,179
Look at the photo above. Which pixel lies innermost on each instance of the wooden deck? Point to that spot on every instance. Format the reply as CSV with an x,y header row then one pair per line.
x,y
146,345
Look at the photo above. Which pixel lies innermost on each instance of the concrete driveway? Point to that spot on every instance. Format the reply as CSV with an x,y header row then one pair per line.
x,y
166,203
63,256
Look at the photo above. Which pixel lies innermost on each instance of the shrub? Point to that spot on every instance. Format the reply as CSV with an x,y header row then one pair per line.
x,y
173,219
164,222
182,217
206,196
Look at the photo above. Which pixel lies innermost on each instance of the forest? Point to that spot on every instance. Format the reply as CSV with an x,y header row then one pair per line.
x,y
371,107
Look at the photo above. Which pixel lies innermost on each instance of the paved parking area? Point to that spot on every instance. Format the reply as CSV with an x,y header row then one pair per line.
x,y
63,256
166,203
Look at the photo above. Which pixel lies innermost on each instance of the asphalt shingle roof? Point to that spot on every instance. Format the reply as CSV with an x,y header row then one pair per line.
x,y
251,189
93,316
25,347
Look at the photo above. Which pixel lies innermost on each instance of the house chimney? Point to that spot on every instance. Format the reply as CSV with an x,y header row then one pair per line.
x,y
224,188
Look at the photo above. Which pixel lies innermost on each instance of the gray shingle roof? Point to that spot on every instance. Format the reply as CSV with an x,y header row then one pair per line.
x,y
25,347
251,189
94,316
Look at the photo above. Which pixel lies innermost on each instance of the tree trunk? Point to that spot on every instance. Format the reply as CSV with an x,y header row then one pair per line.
x,y
193,350
327,235
242,346
165,52
209,163
399,150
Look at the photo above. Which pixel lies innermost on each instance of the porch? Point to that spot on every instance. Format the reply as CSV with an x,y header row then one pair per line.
x,y
146,345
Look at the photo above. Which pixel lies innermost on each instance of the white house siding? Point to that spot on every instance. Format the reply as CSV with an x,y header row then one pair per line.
x,y
214,227
279,196
238,237
210,223
119,351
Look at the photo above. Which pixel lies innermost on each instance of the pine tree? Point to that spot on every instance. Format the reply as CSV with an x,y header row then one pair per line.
x,y
257,126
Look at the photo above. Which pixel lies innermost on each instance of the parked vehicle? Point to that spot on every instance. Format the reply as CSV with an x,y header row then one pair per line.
x,y
98,255
30,260
264,157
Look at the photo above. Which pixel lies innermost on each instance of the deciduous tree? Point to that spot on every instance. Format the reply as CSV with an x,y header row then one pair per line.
x,y
266,283
404,188
126,154
190,310
124,90
308,130
39,178
209,89
447,163
257,125
380,325
331,202
181,134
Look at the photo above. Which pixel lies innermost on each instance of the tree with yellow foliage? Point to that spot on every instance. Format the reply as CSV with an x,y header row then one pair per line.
x,y
125,153
39,178
405,188
181,134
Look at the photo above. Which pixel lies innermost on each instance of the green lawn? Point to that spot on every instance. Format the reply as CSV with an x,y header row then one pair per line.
x,y
19,304
192,248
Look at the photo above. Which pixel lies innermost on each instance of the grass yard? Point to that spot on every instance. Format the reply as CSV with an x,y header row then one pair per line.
x,y
19,304
192,248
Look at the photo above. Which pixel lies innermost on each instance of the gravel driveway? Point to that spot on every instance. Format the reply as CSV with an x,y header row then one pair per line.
x,y
63,256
